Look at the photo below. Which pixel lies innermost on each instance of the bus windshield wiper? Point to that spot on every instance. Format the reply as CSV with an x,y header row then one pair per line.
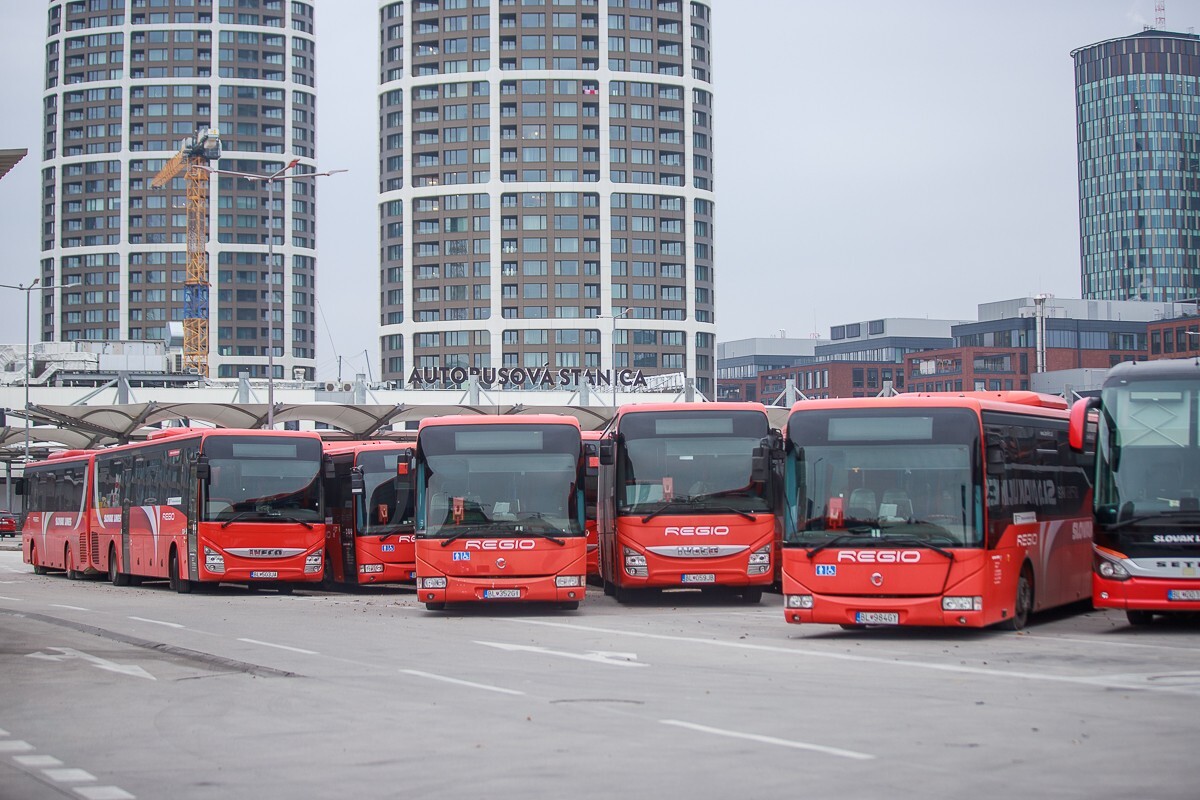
x,y
1168,517
844,538
467,530
914,541
740,512
269,515
675,501
291,517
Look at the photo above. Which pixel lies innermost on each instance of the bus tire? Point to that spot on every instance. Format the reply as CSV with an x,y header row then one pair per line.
x,y
177,582
1022,603
609,589
115,576
752,594
1139,617
38,569
435,606
285,588
69,564
569,605
624,595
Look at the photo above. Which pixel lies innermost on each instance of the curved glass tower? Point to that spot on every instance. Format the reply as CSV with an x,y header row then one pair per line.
x,y
546,195
125,82
1138,123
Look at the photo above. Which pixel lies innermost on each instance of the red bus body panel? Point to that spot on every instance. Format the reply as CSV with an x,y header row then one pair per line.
x,y
474,568
1142,593
370,559
911,581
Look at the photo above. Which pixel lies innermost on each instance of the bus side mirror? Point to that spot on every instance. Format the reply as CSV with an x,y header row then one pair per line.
x,y
591,459
203,469
19,485
607,454
1077,432
330,470
760,465
357,484
404,464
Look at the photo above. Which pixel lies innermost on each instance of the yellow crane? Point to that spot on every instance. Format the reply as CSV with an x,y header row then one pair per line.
x,y
194,155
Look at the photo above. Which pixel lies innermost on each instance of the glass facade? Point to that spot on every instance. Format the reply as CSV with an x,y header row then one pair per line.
x,y
1138,118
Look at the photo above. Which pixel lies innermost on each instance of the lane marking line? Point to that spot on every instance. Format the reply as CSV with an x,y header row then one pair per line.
x,y
755,737
104,793
70,608
69,775
281,647
158,622
458,682
37,761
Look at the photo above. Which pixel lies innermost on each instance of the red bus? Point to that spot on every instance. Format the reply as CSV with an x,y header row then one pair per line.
x,y
1147,501
192,506
369,513
934,509
60,514
591,476
685,501
500,510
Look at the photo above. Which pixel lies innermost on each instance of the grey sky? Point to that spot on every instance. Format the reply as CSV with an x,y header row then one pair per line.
x,y
873,159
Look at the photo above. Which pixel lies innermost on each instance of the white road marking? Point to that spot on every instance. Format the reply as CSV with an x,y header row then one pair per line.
x,y
14,599
598,656
71,608
15,746
754,737
471,684
37,761
104,793
281,647
3,732
157,622
1108,681
69,775
65,653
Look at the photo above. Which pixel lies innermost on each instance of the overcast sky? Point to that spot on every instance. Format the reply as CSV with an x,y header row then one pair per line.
x,y
897,158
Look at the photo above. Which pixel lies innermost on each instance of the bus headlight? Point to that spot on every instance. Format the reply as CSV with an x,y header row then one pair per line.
x,y
312,564
431,583
1109,568
635,564
213,561
760,561
962,604
565,581
798,601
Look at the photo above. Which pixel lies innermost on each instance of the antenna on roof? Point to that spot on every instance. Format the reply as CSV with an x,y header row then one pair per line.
x,y
1160,15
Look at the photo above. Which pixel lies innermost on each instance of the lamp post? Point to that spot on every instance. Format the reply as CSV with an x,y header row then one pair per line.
x,y
278,175
26,289
614,318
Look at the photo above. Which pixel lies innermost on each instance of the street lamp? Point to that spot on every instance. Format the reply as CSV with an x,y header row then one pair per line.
x,y
26,289
614,318
278,175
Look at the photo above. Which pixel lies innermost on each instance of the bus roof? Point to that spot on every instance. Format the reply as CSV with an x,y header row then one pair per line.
x,y
996,401
642,408
511,419
334,448
1162,369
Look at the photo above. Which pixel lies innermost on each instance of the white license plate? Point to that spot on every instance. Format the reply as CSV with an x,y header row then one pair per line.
x,y
501,594
877,617
699,577
264,574
1183,594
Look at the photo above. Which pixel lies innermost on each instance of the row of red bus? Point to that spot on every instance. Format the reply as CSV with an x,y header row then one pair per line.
x,y
971,509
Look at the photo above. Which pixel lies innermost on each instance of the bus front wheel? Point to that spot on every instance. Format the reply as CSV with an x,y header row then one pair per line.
x,y
1139,617
435,606
115,576
38,569
69,564
175,577
1023,602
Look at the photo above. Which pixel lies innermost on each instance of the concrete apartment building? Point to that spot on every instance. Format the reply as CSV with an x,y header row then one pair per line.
x,y
125,82
546,192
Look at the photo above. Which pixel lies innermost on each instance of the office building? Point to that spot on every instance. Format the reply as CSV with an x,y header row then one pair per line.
x,y
1137,116
546,196
125,82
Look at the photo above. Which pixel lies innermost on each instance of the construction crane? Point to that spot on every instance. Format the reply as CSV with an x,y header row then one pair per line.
x,y
194,155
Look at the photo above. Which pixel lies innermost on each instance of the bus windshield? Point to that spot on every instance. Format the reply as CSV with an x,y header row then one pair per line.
x,y
906,475
1148,452
387,497
500,480
684,462
263,479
